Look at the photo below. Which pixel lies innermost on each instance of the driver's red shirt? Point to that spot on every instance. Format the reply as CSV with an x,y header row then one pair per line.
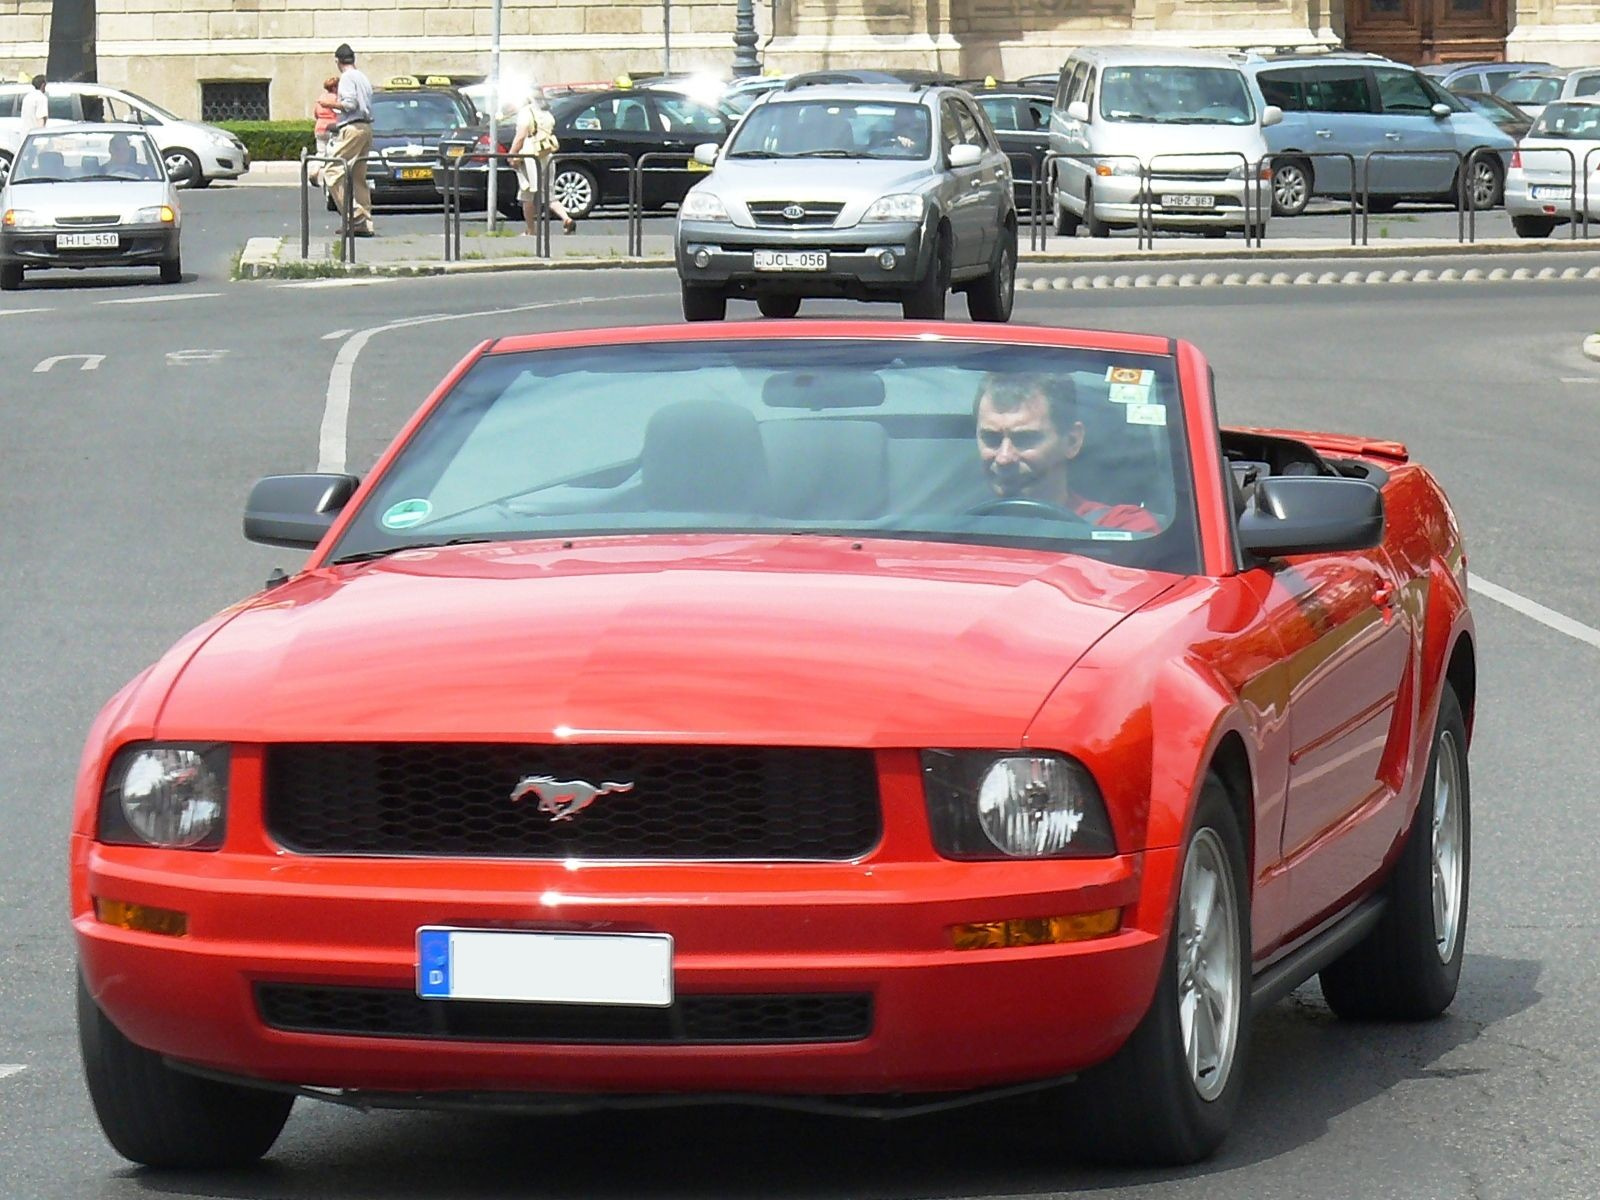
x,y
1114,516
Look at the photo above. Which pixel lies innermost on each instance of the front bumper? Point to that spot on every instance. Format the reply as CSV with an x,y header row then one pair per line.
x,y
865,261
1236,202
941,1019
137,245
224,162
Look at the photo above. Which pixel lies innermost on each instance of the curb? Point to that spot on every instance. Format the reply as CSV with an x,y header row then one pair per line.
x,y
1591,346
1062,283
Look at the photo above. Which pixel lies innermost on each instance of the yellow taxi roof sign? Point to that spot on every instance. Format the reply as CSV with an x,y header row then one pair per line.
x,y
402,81
624,80
989,81
438,81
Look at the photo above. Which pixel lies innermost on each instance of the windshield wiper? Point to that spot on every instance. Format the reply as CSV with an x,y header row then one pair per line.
x,y
755,154
825,154
37,179
370,555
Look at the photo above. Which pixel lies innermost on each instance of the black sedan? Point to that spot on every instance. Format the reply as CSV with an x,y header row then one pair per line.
x,y
603,135
407,123
1020,115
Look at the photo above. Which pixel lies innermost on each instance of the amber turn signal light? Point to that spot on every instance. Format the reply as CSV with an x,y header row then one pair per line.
x,y
141,918
1036,931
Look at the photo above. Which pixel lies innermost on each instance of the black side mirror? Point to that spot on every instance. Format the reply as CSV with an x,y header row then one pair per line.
x,y
1302,514
296,510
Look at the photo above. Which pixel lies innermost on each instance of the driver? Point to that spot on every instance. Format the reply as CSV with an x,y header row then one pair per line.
x,y
123,159
1028,433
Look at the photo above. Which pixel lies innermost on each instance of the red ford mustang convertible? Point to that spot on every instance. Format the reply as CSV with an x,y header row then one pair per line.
x,y
866,718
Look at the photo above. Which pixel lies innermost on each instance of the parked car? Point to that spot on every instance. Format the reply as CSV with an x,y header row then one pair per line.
x,y
832,76
1532,90
706,713
1019,114
195,153
1188,117
1510,119
866,191
1357,105
593,129
1483,76
89,196
1552,179
408,120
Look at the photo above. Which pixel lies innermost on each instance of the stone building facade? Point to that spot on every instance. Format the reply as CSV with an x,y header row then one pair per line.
x,y
267,57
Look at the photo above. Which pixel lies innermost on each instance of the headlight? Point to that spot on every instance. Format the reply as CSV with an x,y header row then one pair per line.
x,y
906,206
170,795
996,804
21,218
1257,171
155,214
702,206
1118,166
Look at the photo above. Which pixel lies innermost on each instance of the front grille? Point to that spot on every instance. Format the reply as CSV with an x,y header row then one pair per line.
x,y
111,219
403,799
691,1020
815,215
1206,176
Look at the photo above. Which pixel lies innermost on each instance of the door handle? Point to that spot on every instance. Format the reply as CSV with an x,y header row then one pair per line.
x,y
1392,137
1324,133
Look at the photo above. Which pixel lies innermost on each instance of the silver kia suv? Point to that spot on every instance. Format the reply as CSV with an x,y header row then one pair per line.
x,y
861,191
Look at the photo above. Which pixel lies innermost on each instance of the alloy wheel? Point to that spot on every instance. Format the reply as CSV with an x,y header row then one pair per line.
x,y
1208,965
1289,188
572,191
1447,847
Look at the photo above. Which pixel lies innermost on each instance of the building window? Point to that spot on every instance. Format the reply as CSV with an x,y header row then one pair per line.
x,y
233,101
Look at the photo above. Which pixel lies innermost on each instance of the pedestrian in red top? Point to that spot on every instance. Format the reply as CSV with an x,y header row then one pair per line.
x,y
326,111
1028,431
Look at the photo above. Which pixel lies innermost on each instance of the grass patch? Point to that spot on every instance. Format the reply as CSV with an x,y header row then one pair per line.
x,y
308,268
499,233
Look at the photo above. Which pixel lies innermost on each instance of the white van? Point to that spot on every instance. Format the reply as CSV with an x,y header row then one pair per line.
x,y
1185,121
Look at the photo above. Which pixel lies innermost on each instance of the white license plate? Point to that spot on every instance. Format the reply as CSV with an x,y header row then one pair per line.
x,y
544,968
1187,200
791,260
1552,193
86,241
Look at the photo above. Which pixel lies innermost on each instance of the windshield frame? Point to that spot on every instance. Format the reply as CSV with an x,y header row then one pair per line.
x,y
763,120
1251,115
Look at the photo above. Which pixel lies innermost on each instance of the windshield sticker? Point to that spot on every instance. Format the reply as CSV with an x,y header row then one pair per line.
x,y
406,514
1134,375
1111,535
1146,414
1129,393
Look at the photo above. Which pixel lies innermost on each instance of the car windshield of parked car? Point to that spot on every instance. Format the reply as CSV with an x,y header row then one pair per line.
x,y
1576,122
85,156
1531,89
834,129
1072,450
1168,95
151,106
417,112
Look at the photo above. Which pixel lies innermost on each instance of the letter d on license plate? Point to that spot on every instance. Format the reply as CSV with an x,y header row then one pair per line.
x,y
791,260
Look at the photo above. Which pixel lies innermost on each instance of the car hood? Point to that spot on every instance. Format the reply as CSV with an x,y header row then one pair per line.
x,y
94,198
852,182
735,639
1185,147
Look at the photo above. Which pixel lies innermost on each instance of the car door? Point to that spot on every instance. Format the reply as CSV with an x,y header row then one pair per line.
x,y
686,124
994,176
1070,138
1411,126
963,190
619,124
1344,120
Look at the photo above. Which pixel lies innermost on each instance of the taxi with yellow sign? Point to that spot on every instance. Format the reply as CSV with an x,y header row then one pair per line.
x,y
410,114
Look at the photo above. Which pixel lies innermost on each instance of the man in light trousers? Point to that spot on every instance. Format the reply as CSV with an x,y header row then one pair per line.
x,y
350,144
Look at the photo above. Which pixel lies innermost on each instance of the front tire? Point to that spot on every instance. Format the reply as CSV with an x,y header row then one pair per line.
x,y
926,301
992,297
1292,183
1408,967
184,168
1066,221
704,304
781,307
1533,227
172,269
155,1115
10,276
1168,1096
1093,225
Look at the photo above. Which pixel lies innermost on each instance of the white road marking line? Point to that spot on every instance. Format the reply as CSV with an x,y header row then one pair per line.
x,y
89,362
1538,612
356,281
333,440
1580,379
17,312
182,358
11,1069
336,335
163,299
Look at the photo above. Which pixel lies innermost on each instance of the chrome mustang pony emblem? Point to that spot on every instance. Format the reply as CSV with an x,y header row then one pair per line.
x,y
562,798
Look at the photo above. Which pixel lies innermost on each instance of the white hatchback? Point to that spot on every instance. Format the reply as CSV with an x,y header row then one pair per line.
x,y
1554,177
195,153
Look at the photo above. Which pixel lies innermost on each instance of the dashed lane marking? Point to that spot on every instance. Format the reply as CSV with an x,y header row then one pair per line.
x,y
7,1069
337,334
17,312
1347,278
354,281
86,362
1536,611
163,299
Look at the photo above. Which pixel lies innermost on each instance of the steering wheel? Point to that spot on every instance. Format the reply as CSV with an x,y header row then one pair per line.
x,y
1020,506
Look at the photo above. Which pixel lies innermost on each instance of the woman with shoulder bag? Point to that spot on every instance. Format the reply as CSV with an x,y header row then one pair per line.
x,y
536,137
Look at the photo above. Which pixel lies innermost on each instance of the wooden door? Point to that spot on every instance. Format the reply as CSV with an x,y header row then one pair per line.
x,y
1428,31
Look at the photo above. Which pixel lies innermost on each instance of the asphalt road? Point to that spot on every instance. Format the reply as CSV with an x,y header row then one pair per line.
x,y
123,485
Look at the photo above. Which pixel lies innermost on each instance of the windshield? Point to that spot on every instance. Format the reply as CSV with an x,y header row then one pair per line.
x,y
84,156
1531,89
152,106
1072,450
1167,95
418,112
1569,121
834,129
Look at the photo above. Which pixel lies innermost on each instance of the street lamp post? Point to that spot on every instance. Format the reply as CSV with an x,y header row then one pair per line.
x,y
744,39
492,199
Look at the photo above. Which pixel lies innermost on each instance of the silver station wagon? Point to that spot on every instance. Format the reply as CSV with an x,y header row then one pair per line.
x,y
864,191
